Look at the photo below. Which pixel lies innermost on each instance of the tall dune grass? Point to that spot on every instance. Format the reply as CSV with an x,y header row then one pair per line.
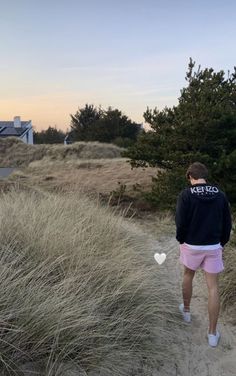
x,y
77,285
228,277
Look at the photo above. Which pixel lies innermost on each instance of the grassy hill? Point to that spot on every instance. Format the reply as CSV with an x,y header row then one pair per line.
x,y
14,152
92,168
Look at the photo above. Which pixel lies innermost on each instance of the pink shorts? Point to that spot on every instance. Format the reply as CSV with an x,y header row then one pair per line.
x,y
210,261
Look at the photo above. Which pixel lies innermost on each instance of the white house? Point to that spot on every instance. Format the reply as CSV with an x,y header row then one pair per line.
x,y
17,128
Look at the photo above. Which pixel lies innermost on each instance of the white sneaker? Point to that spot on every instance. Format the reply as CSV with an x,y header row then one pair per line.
x,y
186,315
213,339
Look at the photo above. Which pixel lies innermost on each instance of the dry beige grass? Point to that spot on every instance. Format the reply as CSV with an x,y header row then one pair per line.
x,y
78,284
95,175
100,179
97,169
14,152
228,278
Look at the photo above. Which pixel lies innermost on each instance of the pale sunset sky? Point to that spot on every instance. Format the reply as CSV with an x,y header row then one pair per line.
x,y
58,55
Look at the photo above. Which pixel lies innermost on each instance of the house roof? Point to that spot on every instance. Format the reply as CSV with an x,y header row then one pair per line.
x,y
11,123
7,128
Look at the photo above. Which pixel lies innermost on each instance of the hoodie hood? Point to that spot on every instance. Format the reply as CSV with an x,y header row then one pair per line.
x,y
204,191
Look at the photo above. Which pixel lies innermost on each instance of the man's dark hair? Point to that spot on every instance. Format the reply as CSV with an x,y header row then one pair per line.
x,y
197,170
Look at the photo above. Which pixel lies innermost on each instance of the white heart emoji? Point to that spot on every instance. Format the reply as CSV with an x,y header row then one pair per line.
x,y
160,258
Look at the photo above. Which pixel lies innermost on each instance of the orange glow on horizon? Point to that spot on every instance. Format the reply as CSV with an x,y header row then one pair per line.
x,y
45,112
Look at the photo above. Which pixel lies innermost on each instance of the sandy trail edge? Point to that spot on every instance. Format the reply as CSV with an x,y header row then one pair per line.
x,y
196,358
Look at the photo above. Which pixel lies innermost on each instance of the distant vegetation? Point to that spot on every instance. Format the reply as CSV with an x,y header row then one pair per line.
x,y
96,124
49,136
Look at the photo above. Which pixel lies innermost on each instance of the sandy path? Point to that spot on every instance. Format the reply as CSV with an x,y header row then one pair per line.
x,y
196,358
199,358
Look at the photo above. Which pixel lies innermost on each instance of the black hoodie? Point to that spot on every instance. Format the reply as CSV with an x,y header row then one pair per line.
x,y
203,216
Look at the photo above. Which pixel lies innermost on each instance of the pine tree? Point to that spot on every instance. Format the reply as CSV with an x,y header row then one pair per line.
x,y
111,125
51,135
83,121
202,127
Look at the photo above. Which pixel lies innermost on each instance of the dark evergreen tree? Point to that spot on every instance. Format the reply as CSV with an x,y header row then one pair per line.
x,y
83,121
202,127
111,125
49,136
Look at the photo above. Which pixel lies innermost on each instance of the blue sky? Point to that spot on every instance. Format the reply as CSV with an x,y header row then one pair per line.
x,y
55,56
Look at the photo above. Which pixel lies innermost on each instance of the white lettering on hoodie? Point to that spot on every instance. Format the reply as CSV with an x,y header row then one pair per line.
x,y
203,189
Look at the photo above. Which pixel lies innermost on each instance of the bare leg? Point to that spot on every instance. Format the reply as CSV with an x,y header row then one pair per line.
x,y
213,300
187,287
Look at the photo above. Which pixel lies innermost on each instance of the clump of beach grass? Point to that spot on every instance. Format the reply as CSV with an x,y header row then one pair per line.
x,y
228,277
77,285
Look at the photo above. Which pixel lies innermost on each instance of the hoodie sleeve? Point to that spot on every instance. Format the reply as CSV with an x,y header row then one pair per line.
x,y
227,223
181,217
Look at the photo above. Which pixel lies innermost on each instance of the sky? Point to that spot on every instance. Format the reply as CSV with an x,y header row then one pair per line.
x,y
58,55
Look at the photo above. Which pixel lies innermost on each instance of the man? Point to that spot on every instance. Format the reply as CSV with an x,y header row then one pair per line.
x,y
203,225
